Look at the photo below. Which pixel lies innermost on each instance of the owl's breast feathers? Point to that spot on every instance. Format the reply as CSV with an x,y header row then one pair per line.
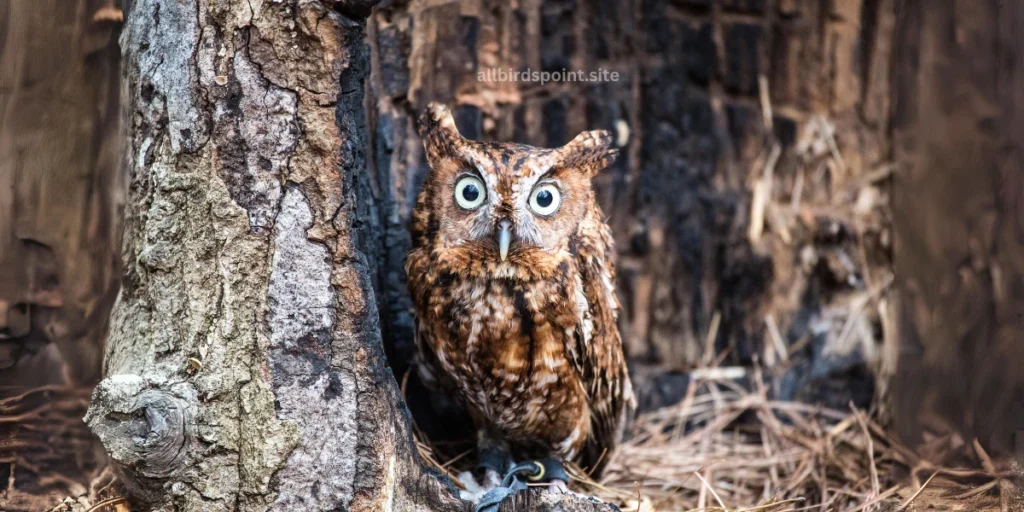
x,y
531,345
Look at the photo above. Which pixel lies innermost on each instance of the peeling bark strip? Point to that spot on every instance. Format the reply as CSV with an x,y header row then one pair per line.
x,y
246,130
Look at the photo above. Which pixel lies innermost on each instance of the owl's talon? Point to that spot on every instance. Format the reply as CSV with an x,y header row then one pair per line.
x,y
491,479
479,484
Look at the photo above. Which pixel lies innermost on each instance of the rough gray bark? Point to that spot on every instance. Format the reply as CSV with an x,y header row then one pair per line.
x,y
539,500
244,370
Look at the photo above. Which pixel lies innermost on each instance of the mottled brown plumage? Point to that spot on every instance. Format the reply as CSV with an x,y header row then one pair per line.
x,y
528,342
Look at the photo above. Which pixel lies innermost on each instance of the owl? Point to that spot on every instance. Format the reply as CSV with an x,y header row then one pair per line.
x,y
512,279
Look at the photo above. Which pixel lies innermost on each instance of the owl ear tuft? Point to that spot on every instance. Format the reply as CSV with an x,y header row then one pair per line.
x,y
436,125
590,152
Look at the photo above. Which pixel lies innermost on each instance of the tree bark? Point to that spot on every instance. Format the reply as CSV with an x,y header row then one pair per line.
x,y
59,194
59,190
244,370
959,219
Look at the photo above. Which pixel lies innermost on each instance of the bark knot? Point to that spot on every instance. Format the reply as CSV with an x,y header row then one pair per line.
x,y
145,430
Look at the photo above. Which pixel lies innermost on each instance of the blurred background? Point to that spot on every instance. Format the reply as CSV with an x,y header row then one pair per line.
x,y
826,192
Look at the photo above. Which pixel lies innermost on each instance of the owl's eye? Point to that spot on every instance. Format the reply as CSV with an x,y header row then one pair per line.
x,y
545,199
470,192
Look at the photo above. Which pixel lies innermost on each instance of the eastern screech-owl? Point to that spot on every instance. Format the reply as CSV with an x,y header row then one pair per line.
x,y
512,278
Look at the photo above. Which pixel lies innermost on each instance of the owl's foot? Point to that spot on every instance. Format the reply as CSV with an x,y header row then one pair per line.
x,y
510,485
491,467
549,472
478,483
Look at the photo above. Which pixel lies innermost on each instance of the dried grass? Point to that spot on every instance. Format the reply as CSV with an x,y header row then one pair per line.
x,y
727,449
749,453
41,429
46,450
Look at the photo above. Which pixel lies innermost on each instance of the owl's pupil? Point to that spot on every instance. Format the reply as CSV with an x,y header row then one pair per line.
x,y
544,198
470,193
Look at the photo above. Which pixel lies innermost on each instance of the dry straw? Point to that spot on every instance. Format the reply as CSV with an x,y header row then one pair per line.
x,y
730,450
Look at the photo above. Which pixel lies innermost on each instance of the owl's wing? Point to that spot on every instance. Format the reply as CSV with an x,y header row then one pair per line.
x,y
426,360
597,351
420,282
428,365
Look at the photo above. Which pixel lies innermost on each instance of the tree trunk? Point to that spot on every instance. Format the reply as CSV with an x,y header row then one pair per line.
x,y
58,188
244,370
59,193
959,216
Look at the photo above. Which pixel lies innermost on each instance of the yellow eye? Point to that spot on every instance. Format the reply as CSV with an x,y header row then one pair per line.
x,y
470,192
545,199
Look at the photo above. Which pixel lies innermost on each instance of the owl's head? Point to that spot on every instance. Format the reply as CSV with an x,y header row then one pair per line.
x,y
507,201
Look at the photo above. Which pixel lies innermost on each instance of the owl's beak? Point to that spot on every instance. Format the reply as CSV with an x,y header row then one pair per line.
x,y
504,238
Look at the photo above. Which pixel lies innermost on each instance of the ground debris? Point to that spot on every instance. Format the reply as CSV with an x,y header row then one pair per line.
x,y
46,451
724,448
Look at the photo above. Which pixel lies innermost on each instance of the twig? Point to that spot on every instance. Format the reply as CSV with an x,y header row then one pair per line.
x,y
870,449
776,337
986,462
762,194
766,103
709,340
916,494
719,373
108,502
712,489
878,499
795,195
829,134
974,492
